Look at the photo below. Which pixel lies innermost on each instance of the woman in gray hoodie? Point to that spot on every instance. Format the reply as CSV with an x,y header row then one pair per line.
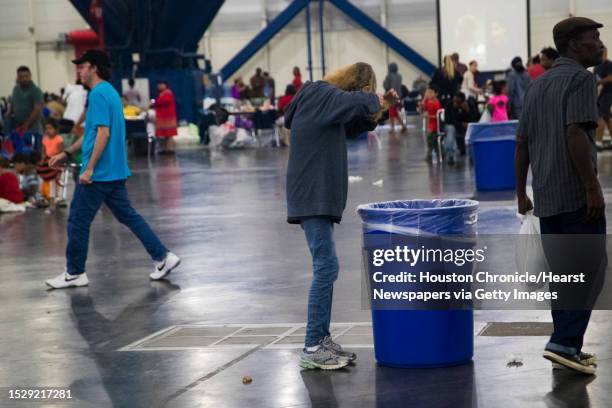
x,y
321,117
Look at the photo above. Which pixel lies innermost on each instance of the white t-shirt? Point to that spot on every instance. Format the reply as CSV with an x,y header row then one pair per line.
x,y
75,97
469,85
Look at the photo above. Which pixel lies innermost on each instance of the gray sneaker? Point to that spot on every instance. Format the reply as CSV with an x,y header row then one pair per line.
x,y
585,358
568,361
322,359
329,344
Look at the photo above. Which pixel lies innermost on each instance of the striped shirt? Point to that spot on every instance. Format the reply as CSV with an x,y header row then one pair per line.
x,y
566,94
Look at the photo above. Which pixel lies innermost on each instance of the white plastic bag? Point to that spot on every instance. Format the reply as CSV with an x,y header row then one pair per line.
x,y
217,133
530,256
486,116
243,140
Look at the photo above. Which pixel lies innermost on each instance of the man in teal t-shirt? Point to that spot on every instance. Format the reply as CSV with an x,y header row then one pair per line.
x,y
104,109
27,105
103,176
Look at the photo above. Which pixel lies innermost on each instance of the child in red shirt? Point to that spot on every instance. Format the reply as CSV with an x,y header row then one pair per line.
x,y
9,184
431,105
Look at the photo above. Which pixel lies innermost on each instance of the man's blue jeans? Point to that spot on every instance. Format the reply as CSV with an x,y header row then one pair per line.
x,y
450,141
570,325
319,234
86,202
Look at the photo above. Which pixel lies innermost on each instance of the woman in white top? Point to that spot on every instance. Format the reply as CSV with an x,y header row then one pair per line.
x,y
75,97
470,87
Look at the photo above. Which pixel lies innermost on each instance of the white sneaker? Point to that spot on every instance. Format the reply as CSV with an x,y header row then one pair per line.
x,y
64,280
166,266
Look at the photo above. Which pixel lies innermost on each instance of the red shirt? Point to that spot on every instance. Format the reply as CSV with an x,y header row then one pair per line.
x,y
165,115
9,188
535,71
431,107
297,82
283,102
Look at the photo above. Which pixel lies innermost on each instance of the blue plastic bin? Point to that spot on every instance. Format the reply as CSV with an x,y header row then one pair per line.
x,y
493,146
419,338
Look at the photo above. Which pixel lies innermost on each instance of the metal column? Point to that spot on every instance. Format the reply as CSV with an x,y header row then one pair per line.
x,y
322,35
308,35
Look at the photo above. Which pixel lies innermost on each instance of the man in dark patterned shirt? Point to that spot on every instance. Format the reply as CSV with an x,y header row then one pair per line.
x,y
556,137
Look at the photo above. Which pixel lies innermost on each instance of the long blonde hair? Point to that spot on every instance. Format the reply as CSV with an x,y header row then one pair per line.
x,y
449,67
355,77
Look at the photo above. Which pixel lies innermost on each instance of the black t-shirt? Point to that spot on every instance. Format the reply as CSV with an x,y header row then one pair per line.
x,y
457,116
603,71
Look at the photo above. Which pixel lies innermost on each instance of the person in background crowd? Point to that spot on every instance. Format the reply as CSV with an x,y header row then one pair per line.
x,y
239,90
129,111
165,118
470,85
27,105
548,56
535,68
555,138
28,177
286,99
393,80
283,104
498,103
49,188
103,177
447,81
53,143
457,119
297,79
431,105
258,82
604,100
459,66
40,166
405,93
235,90
75,97
132,94
420,85
517,80
269,87
56,107
4,109
317,186
9,184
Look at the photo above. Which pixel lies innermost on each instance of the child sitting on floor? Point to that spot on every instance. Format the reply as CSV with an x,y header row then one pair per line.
x,y
9,184
28,177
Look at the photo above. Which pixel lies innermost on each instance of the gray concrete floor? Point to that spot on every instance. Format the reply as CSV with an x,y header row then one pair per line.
x,y
223,213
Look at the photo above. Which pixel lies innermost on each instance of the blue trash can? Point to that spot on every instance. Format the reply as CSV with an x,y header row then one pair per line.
x,y
492,146
419,338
